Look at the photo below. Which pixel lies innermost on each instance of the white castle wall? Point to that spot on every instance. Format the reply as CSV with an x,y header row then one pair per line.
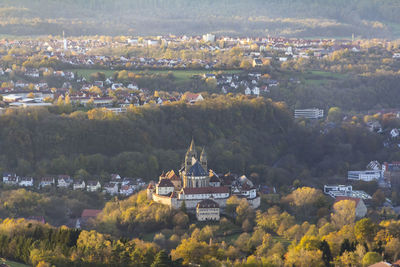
x,y
191,204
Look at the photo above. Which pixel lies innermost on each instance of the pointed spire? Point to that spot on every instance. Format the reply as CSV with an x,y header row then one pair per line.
x,y
192,147
203,154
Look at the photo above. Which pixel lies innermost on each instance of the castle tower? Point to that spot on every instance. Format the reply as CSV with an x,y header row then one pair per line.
x,y
203,159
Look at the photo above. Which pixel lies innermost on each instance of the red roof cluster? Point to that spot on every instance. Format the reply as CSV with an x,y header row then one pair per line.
x,y
89,213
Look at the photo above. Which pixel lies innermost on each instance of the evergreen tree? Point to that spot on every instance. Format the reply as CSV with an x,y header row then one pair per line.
x,y
326,253
346,246
162,260
183,207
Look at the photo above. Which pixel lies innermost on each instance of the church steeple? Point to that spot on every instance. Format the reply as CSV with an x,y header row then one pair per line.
x,y
203,159
190,154
192,146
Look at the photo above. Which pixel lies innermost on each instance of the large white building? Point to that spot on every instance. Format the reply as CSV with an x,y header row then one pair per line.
x,y
312,113
366,176
209,37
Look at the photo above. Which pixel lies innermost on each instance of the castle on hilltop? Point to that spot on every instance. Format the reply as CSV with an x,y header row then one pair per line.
x,y
196,183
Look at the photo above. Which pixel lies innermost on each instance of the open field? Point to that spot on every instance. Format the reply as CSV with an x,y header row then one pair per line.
x,y
322,77
180,75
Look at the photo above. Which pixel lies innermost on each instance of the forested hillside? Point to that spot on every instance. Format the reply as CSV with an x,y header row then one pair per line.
x,y
367,18
240,135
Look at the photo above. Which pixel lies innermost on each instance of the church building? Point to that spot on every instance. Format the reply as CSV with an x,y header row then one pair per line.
x,y
194,184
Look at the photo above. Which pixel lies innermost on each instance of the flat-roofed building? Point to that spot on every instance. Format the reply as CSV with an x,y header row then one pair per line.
x,y
312,113
366,176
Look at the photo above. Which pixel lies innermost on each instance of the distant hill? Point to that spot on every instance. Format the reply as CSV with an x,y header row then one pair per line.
x,y
298,18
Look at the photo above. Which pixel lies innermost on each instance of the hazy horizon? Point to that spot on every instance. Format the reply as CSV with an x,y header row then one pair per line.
x,y
300,18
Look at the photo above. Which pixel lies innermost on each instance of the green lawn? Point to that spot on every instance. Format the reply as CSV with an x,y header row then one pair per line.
x,y
322,77
180,75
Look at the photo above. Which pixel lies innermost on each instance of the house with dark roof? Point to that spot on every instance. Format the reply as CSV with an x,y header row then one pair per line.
x,y
10,178
79,184
64,181
164,187
46,181
93,186
26,181
214,180
207,210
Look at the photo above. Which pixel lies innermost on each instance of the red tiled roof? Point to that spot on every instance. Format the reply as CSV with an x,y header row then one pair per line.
x,y
205,190
191,96
89,213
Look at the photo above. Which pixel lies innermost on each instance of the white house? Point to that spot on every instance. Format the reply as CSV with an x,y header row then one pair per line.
x,y
26,181
93,186
111,188
46,181
80,184
256,91
394,133
10,178
126,190
64,181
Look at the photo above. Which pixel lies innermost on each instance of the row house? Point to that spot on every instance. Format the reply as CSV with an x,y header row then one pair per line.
x,y
10,178
46,181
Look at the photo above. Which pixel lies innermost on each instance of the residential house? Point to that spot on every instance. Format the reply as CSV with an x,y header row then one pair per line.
x,y
86,216
26,181
394,133
126,190
257,62
115,179
10,178
256,91
79,184
64,181
93,186
46,181
111,188
193,98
